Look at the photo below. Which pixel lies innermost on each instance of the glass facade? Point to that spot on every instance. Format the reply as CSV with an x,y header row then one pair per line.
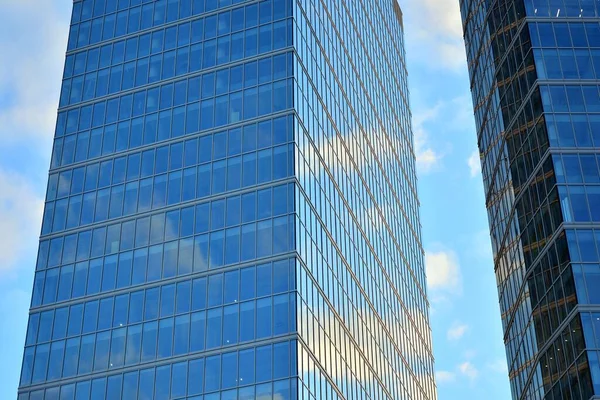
x,y
231,209
535,68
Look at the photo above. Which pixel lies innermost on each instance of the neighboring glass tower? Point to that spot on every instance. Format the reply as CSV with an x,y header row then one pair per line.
x,y
231,210
535,70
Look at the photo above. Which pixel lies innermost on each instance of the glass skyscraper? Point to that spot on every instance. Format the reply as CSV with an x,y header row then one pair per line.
x,y
535,70
231,209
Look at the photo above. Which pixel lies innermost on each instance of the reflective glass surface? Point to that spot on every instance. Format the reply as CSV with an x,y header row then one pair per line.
x,y
535,67
221,220
363,311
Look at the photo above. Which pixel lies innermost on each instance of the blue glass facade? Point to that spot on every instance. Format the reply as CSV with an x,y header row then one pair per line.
x,y
221,221
535,68
363,312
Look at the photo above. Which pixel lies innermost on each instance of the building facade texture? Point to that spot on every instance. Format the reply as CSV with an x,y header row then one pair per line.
x,y
535,72
231,209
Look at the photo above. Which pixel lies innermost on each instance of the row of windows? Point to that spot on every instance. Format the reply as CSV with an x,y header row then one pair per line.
x,y
575,99
175,94
235,286
208,114
314,383
172,157
557,360
180,223
140,18
198,116
113,138
587,281
573,130
338,357
181,298
158,41
175,63
594,362
99,389
562,8
371,278
355,191
562,34
169,189
320,323
546,275
176,258
347,233
172,336
567,63
86,9
549,312
379,193
576,168
207,374
580,203
582,245
591,329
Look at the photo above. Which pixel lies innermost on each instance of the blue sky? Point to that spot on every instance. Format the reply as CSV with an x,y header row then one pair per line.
x,y
470,358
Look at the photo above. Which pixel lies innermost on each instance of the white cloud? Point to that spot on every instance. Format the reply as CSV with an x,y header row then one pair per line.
x,y
33,51
498,366
468,370
443,272
427,157
457,331
465,370
474,163
434,33
20,215
433,124
445,377
443,16
30,74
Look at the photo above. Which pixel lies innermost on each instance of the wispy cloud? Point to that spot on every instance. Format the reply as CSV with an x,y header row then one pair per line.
x,y
498,366
20,216
30,74
428,158
434,27
457,331
463,371
445,377
428,155
474,164
468,370
433,127
443,272
29,89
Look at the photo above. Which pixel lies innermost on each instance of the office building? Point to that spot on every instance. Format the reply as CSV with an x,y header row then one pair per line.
x,y
535,67
231,209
